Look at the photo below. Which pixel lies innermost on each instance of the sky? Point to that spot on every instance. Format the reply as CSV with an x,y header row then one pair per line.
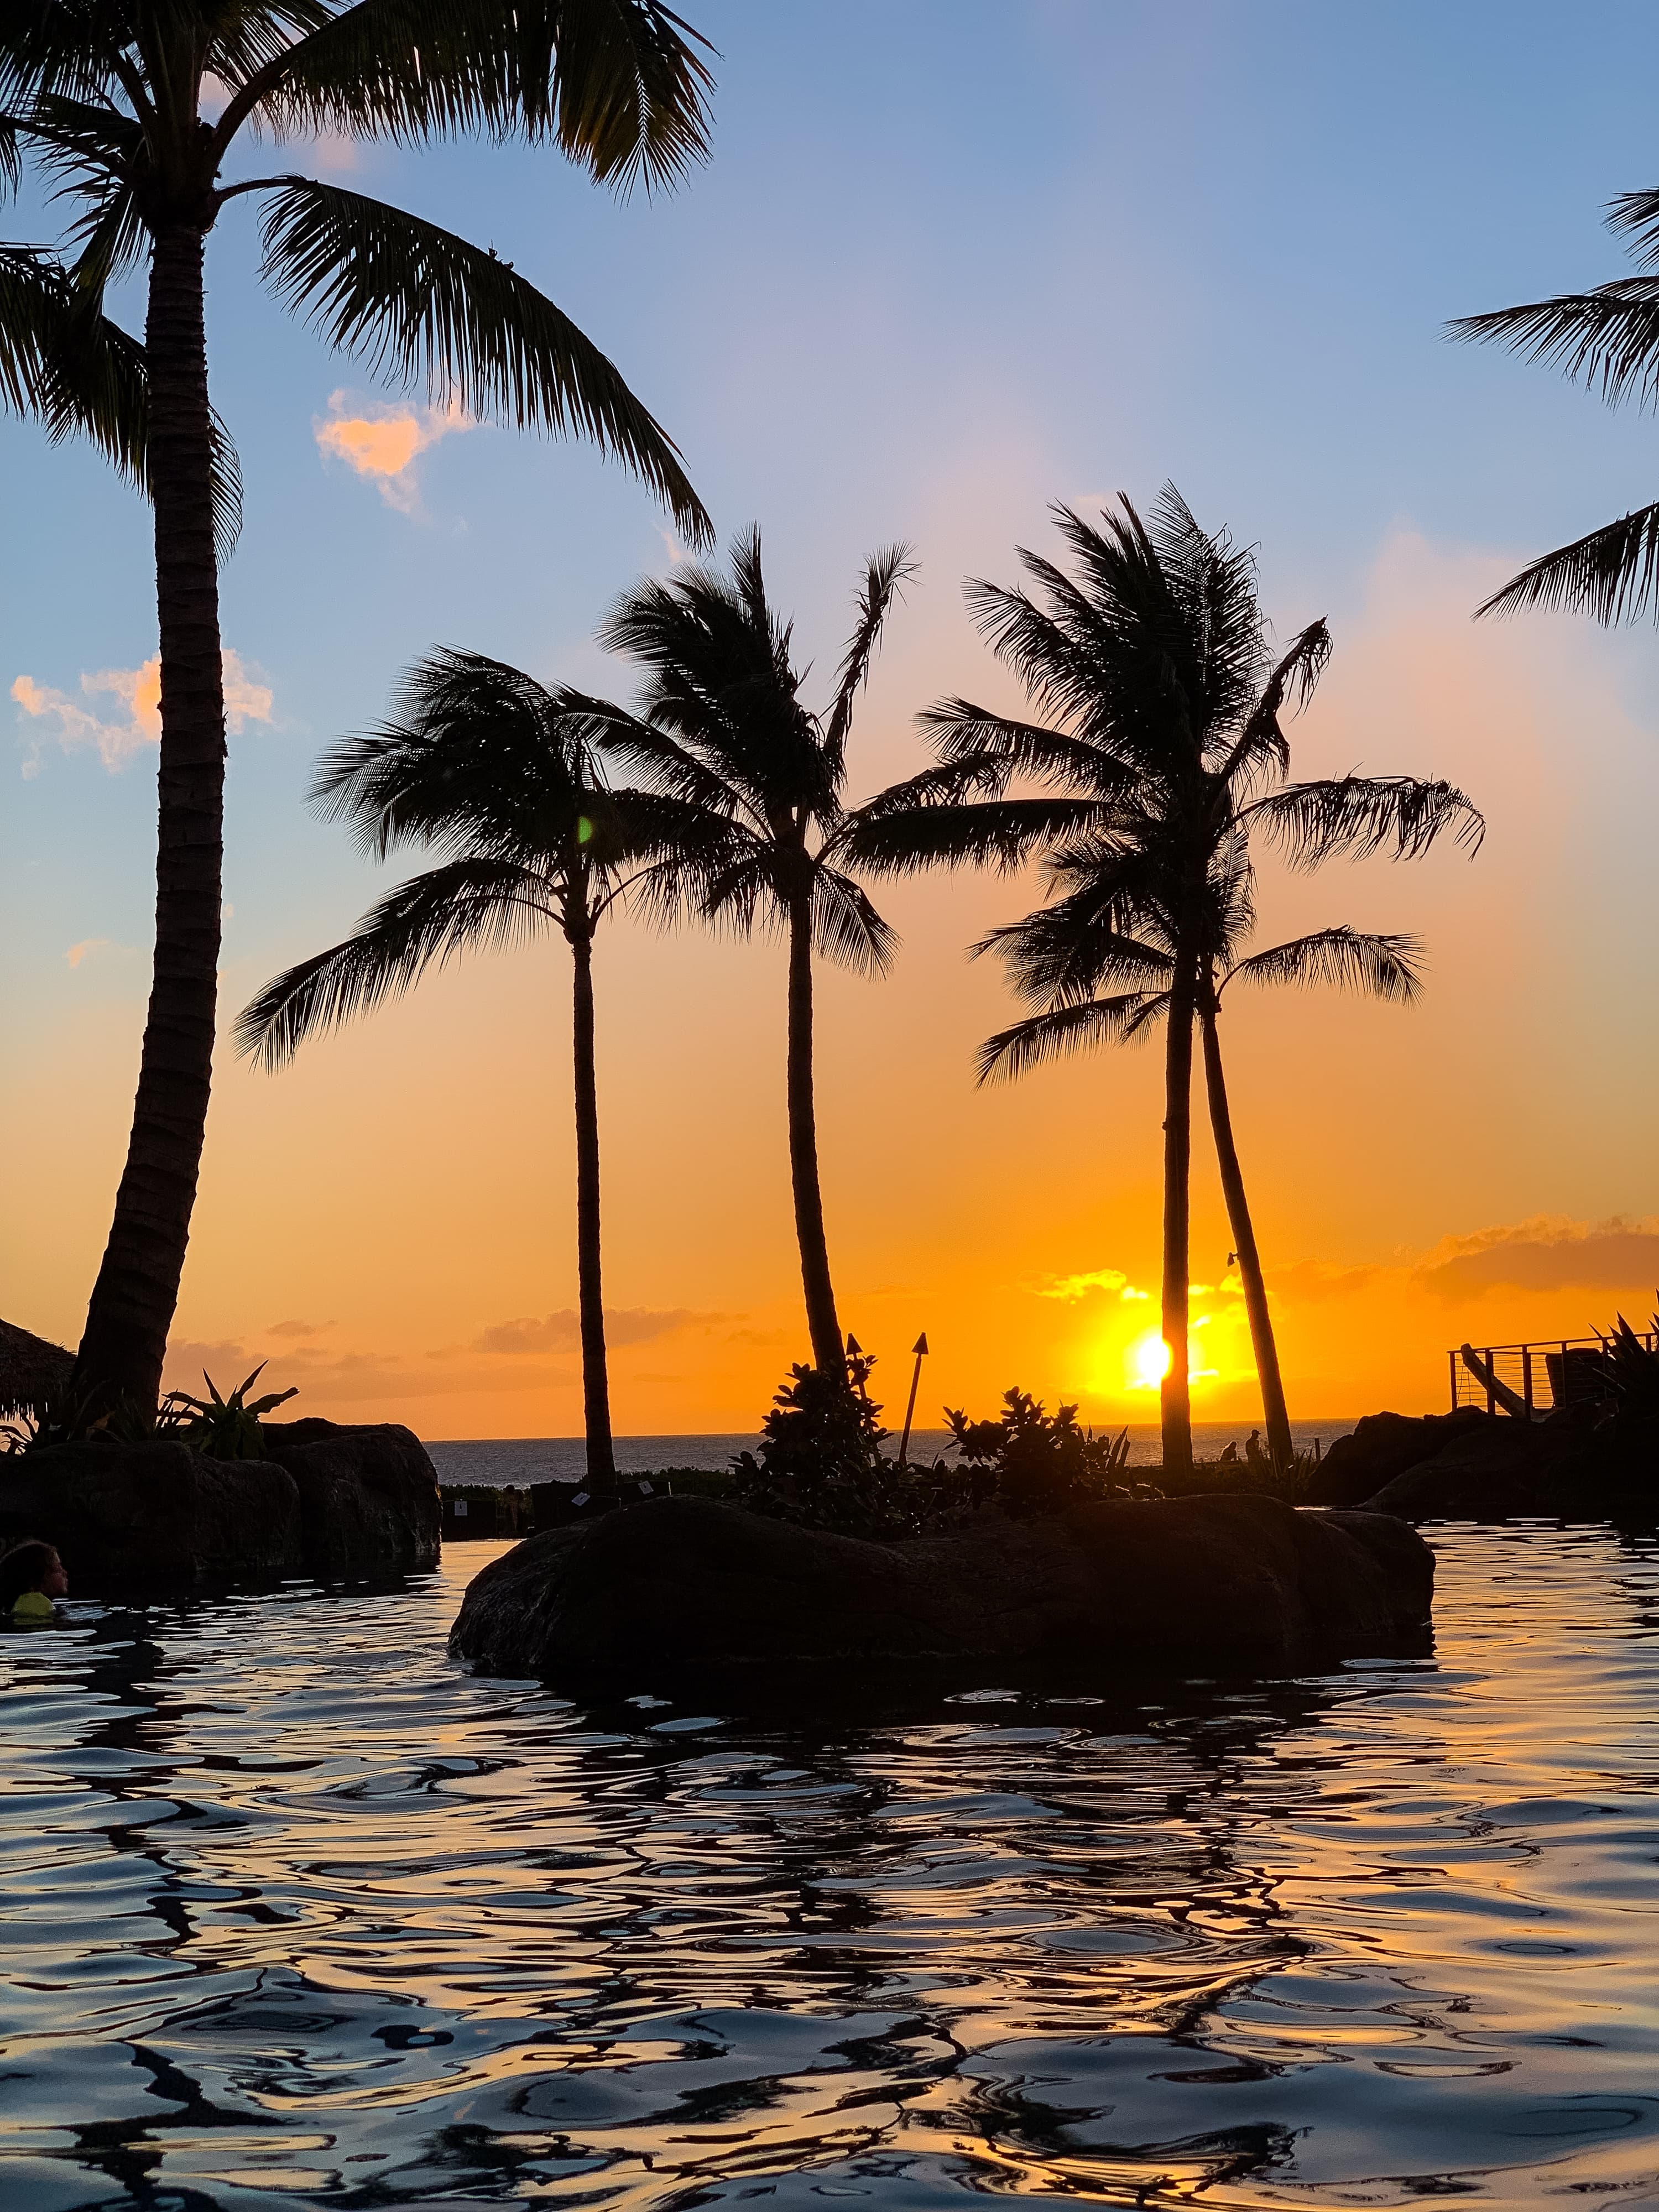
x,y
950,262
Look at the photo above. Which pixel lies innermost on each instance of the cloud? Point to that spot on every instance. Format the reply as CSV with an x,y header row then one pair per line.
x,y
1544,1254
1081,1286
384,442
298,1328
561,1331
77,953
138,692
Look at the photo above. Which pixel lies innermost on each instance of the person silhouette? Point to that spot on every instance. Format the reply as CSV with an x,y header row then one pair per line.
x,y
1253,1453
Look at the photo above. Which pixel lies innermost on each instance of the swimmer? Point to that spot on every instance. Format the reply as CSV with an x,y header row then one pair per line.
x,y
31,1576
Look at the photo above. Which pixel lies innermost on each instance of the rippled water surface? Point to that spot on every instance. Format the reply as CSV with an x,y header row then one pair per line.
x,y
296,1912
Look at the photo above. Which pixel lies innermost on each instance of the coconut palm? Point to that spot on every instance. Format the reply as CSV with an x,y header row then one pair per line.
x,y
1607,338
119,102
486,767
1165,754
723,729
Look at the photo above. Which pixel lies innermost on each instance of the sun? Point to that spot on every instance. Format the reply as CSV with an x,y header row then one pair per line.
x,y
1149,1361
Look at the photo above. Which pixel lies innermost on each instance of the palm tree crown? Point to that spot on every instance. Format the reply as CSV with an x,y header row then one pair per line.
x,y
1608,339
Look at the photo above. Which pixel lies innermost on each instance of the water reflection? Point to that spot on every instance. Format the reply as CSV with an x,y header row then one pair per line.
x,y
297,1913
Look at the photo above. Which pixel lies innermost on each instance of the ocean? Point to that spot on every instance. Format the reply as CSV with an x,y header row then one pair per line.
x,y
510,1462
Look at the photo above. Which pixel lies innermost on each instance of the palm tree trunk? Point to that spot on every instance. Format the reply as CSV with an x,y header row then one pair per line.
x,y
136,1290
1174,1399
1279,1448
595,1382
822,1325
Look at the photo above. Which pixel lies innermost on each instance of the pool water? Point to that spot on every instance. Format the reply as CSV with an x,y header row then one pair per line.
x,y
296,1912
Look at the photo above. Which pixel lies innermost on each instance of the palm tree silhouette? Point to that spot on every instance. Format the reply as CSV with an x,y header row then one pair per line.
x,y
108,96
723,729
1167,753
1608,338
487,768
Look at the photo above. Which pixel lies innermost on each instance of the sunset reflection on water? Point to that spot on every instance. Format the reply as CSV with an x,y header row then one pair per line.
x,y
297,1912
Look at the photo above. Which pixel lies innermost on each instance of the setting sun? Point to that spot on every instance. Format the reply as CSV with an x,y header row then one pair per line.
x,y
1149,1361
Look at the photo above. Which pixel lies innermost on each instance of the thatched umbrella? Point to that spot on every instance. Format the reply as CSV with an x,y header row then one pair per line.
x,y
31,1371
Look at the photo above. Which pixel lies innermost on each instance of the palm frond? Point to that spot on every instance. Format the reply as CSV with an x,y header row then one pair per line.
x,y
846,927
1607,338
1357,815
68,366
887,573
958,728
416,302
475,904
1000,834
1635,215
618,84
1262,744
1612,575
1012,1051
1350,959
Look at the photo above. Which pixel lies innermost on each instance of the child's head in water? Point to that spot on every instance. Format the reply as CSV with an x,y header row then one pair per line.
x,y
31,1571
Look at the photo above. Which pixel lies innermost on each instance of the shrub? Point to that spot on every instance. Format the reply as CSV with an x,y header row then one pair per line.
x,y
819,1462
1029,1460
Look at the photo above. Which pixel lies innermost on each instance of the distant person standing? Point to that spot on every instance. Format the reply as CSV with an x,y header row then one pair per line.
x,y
1253,1455
31,1576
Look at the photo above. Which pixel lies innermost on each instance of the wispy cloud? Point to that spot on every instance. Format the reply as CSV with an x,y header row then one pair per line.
x,y
137,692
383,442
561,1331
1547,1254
1071,1287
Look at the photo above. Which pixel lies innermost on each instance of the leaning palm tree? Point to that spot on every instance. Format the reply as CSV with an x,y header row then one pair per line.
x,y
1165,753
723,729
485,766
119,102
1608,338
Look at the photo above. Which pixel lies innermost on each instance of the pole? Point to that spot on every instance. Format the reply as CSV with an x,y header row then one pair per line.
x,y
920,1347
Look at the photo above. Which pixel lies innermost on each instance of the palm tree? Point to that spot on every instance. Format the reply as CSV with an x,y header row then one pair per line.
x,y
1166,752
1608,338
485,766
722,728
109,97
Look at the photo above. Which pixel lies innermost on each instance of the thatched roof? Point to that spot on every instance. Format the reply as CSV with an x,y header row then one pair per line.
x,y
31,1370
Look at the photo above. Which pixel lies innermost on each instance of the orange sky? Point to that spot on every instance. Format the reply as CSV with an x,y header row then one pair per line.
x,y
389,1222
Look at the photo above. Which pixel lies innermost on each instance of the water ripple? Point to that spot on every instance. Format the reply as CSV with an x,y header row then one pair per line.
x,y
296,1912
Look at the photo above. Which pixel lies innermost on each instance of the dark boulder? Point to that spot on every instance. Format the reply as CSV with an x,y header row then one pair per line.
x,y
134,1518
1571,1467
137,1519
1382,1446
689,1582
368,1495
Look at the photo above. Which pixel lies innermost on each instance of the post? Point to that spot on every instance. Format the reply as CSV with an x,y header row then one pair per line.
x,y
1492,1373
1451,1362
1526,1377
920,1347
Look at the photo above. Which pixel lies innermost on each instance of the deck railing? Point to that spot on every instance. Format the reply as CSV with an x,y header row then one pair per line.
x,y
1562,1370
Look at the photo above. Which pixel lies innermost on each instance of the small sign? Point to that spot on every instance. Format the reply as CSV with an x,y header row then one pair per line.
x,y
645,1490
460,1508
580,1498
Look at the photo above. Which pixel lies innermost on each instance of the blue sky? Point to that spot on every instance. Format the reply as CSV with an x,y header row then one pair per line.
x,y
949,261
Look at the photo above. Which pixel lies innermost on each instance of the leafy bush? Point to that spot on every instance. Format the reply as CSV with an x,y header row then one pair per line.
x,y
217,1427
1029,1460
819,1462
1633,1369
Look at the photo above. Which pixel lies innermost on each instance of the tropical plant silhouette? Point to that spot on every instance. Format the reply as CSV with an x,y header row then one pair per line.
x,y
1606,339
113,100
723,729
1165,755
485,766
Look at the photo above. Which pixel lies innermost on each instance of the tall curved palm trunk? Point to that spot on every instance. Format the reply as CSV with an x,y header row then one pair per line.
x,y
133,1299
1175,1395
590,1291
823,1324
1274,1410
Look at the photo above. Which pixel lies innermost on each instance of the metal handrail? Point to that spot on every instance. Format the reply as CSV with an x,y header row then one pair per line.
x,y
1548,1372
